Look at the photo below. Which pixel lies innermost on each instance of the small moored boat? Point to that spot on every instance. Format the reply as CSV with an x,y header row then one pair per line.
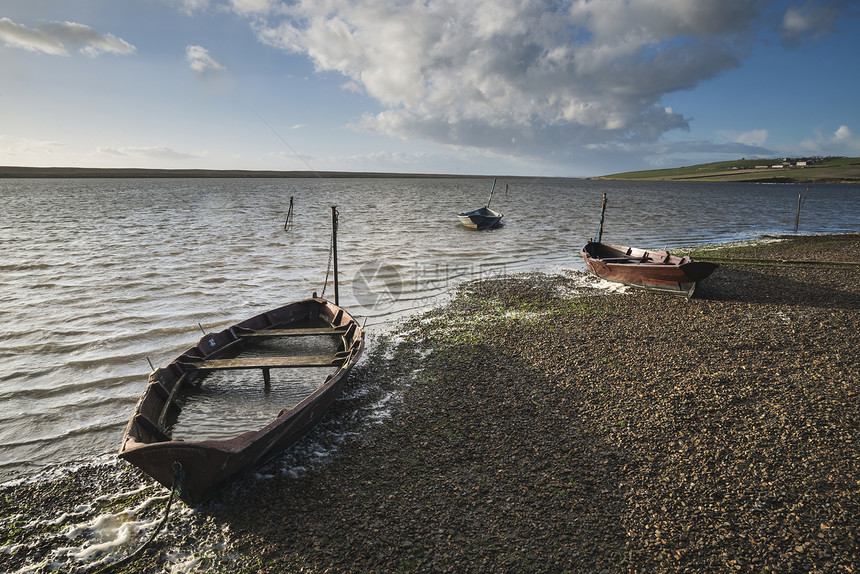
x,y
655,270
208,464
482,218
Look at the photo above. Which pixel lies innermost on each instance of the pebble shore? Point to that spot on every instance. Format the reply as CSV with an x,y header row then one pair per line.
x,y
539,425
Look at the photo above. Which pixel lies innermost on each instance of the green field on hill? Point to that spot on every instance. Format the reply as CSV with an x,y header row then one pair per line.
x,y
816,170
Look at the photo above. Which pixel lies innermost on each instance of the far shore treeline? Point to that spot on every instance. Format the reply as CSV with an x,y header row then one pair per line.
x,y
772,170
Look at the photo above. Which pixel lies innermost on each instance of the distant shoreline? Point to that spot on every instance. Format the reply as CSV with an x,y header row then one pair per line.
x,y
9,172
19,172
774,180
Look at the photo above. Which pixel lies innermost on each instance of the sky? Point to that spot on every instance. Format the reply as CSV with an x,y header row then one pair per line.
x,y
561,88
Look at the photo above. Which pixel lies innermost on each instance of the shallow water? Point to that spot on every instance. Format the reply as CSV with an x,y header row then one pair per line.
x,y
102,275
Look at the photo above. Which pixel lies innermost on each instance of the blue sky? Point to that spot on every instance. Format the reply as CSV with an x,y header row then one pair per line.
x,y
503,87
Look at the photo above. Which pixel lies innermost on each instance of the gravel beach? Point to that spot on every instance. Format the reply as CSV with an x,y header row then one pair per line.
x,y
542,425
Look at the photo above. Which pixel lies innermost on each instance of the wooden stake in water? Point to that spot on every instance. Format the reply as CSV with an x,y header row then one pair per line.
x,y
334,250
288,222
797,217
600,227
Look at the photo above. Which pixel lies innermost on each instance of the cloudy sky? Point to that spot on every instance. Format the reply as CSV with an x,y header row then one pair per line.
x,y
494,87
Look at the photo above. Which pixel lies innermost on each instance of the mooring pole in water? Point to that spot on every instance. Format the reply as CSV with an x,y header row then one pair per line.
x,y
799,204
334,250
288,222
797,217
600,228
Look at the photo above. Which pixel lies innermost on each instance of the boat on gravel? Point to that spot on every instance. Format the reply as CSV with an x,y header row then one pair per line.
x,y
201,467
483,217
656,270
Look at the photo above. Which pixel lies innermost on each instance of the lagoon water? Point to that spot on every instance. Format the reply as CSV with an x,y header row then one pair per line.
x,y
100,276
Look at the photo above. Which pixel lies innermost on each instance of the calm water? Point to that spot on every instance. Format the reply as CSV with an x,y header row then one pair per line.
x,y
99,275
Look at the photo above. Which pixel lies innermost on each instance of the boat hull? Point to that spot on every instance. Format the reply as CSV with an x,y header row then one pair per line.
x,y
655,270
482,218
208,465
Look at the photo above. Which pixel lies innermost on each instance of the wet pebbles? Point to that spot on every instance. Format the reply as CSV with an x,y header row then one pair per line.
x,y
541,431
542,425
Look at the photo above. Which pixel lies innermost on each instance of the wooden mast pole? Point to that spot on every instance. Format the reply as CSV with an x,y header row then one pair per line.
x,y
602,211
491,193
334,251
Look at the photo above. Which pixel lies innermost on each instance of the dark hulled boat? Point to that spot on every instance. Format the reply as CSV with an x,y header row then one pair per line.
x,y
483,217
206,465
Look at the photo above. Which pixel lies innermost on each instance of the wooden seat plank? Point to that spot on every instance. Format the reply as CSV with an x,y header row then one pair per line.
x,y
264,362
300,332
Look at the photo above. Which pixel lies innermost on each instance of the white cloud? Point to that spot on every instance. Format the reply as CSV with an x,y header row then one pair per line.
x,y
51,38
153,152
841,142
240,7
200,61
843,134
92,43
26,147
191,6
251,7
751,138
810,21
18,36
510,75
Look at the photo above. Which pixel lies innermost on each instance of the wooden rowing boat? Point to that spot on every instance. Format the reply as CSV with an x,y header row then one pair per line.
x,y
205,465
655,270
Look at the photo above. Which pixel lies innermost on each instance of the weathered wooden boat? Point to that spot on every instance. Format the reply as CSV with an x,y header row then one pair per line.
x,y
208,464
482,218
655,270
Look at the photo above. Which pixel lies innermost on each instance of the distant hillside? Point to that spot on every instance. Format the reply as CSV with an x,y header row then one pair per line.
x,y
782,170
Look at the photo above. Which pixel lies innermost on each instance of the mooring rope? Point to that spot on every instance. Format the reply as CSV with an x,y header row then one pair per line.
x,y
780,262
175,489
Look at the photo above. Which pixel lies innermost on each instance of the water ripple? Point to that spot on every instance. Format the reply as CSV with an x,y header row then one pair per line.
x,y
90,292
